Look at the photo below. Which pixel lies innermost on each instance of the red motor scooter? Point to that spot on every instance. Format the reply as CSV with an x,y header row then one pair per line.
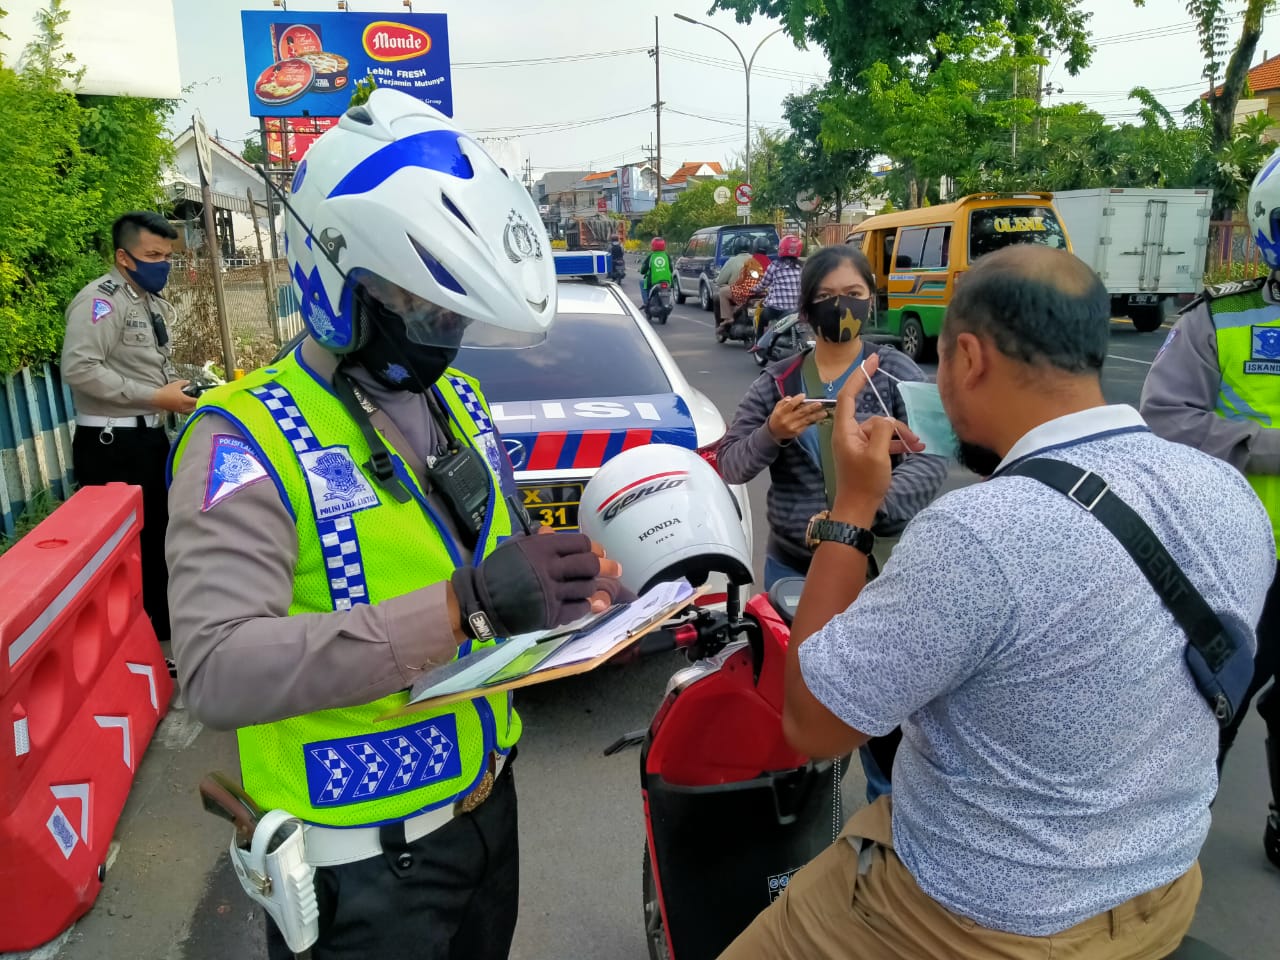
x,y
731,811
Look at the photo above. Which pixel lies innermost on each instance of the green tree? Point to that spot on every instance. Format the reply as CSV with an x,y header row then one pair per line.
x,y
696,208
654,223
934,121
253,152
69,165
856,34
801,164
1212,18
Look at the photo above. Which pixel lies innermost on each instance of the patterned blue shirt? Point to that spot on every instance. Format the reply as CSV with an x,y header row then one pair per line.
x,y
782,280
1057,758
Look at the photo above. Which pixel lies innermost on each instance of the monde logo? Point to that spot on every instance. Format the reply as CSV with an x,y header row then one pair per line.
x,y
388,42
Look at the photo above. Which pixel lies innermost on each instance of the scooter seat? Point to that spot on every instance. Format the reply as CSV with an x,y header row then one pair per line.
x,y
1193,949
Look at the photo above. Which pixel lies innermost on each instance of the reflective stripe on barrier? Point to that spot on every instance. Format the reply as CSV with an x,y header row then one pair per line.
x,y
83,685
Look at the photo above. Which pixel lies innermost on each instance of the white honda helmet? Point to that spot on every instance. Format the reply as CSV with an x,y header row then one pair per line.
x,y
398,202
663,512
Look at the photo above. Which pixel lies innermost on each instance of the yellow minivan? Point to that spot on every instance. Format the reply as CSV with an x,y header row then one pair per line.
x,y
918,254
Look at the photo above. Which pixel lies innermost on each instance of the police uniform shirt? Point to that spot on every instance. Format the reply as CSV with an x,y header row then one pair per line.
x,y
1180,397
241,658
110,357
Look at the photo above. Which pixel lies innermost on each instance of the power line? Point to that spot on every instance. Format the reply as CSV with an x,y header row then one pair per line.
x,y
776,73
535,61
555,126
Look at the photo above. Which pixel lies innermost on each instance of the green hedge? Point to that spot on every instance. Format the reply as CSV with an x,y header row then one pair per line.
x,y
69,165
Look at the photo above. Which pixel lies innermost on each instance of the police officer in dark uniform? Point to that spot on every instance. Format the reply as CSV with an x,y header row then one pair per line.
x,y
116,361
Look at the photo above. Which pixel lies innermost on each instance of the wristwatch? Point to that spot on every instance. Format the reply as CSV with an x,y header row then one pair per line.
x,y
822,527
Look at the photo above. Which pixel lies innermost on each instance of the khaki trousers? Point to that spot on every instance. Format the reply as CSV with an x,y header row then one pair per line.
x,y
833,909
726,303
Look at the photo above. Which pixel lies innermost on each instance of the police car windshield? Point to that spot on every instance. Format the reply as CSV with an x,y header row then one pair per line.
x,y
583,355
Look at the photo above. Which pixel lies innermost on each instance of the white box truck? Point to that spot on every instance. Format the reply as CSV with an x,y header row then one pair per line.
x,y
1147,245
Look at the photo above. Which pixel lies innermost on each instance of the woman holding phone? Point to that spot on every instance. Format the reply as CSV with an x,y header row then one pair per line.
x,y
779,423
782,424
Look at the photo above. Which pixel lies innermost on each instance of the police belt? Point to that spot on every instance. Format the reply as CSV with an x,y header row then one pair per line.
x,y
334,846
112,423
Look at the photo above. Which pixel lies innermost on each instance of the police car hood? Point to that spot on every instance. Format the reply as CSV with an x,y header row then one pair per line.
x,y
583,433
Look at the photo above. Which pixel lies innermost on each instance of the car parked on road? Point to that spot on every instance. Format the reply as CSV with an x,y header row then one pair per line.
x,y
707,251
600,382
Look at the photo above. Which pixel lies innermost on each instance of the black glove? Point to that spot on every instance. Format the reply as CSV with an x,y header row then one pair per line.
x,y
528,583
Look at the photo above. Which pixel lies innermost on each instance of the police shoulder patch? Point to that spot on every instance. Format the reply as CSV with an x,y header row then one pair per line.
x,y
1234,287
233,465
101,308
337,486
109,287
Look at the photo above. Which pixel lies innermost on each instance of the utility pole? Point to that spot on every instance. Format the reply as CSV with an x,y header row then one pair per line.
x,y
657,104
1039,92
1015,125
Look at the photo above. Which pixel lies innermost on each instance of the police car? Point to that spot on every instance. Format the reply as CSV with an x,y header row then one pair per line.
x,y
599,383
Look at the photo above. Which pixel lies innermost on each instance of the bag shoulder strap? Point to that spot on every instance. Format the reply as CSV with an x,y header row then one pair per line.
x,y
1203,627
826,449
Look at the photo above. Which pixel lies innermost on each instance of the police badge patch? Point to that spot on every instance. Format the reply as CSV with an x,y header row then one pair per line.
x,y
1266,351
233,465
101,308
493,453
337,486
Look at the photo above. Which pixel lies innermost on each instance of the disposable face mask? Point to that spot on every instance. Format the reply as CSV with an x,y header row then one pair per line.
x,y
928,419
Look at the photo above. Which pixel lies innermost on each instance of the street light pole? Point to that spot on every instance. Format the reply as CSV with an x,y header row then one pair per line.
x,y
746,67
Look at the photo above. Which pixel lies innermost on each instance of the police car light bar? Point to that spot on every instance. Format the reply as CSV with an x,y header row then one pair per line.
x,y
583,264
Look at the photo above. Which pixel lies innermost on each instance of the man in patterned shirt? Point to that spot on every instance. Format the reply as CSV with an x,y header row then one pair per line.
x,y
1052,788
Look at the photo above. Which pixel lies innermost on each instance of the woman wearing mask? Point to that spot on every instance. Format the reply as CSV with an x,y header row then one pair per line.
x,y
779,427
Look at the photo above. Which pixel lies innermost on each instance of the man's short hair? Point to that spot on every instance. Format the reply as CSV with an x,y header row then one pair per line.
x,y
1039,306
127,228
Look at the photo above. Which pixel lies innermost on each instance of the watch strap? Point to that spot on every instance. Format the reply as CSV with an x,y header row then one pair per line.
x,y
834,530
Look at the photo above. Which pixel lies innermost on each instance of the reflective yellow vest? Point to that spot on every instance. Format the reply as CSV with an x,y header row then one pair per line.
x,y
1248,332
357,544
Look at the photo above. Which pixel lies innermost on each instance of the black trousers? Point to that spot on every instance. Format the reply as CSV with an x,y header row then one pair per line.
x,y
1266,667
451,895
136,455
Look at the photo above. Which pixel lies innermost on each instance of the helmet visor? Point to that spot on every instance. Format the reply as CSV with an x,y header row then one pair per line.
x,y
428,324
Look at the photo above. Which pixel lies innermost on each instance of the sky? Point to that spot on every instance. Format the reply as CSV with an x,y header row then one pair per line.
x,y
595,111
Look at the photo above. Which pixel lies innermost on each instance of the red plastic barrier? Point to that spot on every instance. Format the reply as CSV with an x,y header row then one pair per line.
x,y
83,685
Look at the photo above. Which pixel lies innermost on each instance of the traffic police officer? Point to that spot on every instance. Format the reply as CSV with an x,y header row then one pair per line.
x,y
115,359
345,520
1215,385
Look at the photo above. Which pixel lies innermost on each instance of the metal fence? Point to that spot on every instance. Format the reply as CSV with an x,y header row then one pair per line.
x,y
35,441
1232,253
262,312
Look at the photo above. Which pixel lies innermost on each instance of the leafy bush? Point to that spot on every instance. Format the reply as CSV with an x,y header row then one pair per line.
x,y
69,165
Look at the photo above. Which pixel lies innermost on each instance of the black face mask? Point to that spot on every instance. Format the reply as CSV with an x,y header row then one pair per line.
x,y
838,319
980,460
393,359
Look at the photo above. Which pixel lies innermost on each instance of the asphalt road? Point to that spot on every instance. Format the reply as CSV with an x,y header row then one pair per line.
x,y
170,893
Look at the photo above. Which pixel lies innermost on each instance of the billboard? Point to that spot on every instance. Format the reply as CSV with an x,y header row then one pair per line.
x,y
297,133
307,64
126,47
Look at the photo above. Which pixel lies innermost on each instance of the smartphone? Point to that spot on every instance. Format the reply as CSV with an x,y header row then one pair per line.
x,y
830,404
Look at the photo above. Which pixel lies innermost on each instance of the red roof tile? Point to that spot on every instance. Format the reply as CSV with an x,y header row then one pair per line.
x,y
1264,78
691,168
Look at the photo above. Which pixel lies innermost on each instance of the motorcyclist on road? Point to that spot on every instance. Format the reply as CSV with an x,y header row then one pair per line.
x,y
731,273
619,256
760,250
781,283
656,267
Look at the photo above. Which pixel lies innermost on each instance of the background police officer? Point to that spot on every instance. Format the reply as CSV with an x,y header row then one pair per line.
x,y
116,361
1215,385
346,519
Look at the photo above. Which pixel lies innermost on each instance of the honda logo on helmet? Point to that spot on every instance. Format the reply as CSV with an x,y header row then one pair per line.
x,y
633,493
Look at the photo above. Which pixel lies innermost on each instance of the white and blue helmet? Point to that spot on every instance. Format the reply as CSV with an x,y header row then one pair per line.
x,y
416,214
1264,211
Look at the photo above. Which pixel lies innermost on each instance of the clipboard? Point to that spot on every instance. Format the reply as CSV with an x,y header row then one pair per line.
x,y
545,675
